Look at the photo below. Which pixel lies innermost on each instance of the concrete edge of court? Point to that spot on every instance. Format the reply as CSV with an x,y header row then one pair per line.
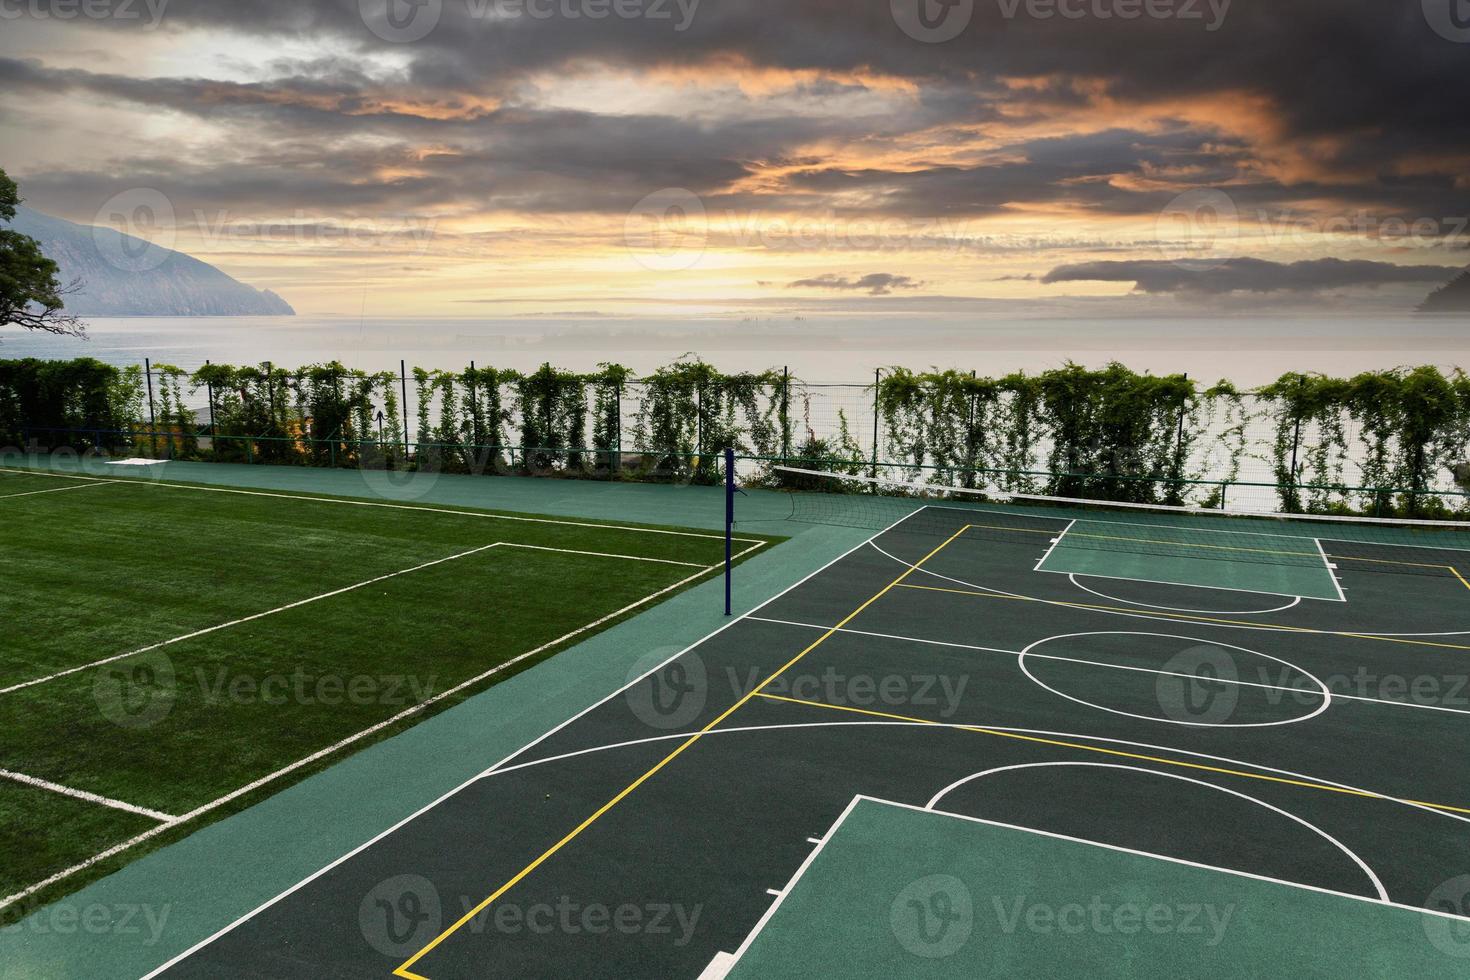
x,y
187,891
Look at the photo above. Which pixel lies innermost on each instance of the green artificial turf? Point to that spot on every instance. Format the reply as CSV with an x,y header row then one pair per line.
x,y
108,569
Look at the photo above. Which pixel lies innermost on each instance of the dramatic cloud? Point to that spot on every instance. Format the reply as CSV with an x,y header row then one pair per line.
x,y
527,133
1249,275
874,283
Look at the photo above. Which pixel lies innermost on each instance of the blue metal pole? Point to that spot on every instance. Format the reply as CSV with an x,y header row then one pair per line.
x,y
729,522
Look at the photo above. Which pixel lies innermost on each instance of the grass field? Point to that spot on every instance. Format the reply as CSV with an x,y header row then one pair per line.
x,y
172,653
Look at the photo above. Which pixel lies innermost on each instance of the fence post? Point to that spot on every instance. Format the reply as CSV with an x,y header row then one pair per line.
x,y
785,415
699,425
209,387
403,382
1179,451
152,418
616,463
969,478
877,385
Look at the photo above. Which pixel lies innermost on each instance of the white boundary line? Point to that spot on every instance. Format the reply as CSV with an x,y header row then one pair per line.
x,y
337,746
59,476
1143,670
81,794
1331,574
944,814
525,748
1054,542
79,486
1296,600
603,554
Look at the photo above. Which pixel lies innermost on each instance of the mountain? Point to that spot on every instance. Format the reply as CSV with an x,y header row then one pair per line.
x,y
1452,297
126,276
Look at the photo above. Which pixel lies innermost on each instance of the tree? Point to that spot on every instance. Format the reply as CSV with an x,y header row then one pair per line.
x,y
30,294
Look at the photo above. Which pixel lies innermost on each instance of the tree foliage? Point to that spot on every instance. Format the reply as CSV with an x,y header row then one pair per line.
x,y
31,296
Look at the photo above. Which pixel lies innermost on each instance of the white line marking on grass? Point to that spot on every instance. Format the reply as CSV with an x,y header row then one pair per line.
x,y
525,748
58,476
335,747
246,619
80,486
1112,666
1295,601
483,515
80,794
604,554
1363,865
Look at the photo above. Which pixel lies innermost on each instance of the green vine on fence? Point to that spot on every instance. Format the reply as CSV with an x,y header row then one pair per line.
x,y
1390,442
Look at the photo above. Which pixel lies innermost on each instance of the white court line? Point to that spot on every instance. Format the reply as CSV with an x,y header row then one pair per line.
x,y
525,748
1363,865
846,813
1295,601
1054,542
245,619
80,486
1142,670
81,794
329,750
1161,618
1328,566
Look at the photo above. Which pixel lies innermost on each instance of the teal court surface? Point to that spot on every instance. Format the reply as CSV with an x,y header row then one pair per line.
x,y
934,757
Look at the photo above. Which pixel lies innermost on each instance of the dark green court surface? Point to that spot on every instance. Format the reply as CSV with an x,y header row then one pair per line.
x,y
896,892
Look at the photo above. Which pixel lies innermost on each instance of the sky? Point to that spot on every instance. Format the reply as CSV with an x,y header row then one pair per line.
x,y
762,158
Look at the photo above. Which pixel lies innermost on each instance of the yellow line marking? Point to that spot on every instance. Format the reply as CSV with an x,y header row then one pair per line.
x,y
404,969
1117,752
1148,613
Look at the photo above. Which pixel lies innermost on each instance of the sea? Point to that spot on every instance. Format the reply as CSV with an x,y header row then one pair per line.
x,y
817,350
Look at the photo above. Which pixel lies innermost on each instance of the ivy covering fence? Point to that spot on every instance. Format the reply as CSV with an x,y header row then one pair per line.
x,y
1389,443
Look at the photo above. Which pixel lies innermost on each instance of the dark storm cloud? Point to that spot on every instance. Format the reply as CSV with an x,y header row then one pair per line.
x,y
874,283
1249,275
1364,93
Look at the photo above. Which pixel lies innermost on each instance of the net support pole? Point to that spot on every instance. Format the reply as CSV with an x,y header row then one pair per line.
x,y
729,524
403,387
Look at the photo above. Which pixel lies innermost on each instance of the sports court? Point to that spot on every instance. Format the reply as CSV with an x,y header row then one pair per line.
x,y
937,756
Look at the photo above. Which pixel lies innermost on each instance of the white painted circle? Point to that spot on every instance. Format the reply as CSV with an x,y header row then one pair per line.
x,y
1154,605
1322,688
